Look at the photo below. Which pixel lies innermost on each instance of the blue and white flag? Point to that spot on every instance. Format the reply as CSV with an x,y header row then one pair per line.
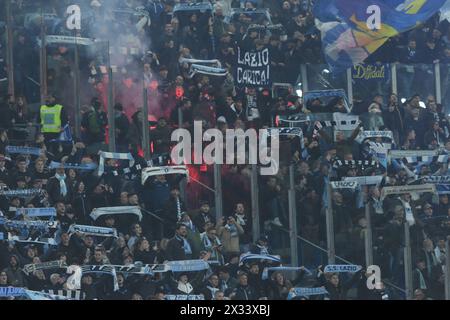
x,y
353,30
443,188
24,150
306,292
65,136
333,268
437,179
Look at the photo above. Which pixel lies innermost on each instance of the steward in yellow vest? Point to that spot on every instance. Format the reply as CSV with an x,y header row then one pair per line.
x,y
52,118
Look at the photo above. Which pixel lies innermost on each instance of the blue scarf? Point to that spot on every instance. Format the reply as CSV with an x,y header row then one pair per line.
x,y
186,246
23,150
75,166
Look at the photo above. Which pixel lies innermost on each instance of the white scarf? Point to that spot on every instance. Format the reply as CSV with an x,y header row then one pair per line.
x,y
62,184
408,213
240,219
186,288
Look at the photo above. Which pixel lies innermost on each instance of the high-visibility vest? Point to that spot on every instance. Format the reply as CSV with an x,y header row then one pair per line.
x,y
51,119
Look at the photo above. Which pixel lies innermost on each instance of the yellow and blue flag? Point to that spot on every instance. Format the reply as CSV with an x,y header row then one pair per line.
x,y
354,29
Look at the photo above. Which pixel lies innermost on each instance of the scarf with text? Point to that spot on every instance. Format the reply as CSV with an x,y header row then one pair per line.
x,y
30,268
93,231
75,166
22,193
306,292
339,268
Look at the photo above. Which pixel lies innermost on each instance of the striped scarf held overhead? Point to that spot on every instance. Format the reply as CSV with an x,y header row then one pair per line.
x,y
340,125
414,160
68,294
113,155
363,164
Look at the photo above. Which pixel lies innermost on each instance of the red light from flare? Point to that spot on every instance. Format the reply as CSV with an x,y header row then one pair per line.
x,y
154,85
179,92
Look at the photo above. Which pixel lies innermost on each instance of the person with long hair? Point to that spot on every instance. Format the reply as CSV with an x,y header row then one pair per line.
x,y
279,286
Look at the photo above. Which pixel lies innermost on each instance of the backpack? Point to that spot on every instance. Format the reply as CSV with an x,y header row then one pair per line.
x,y
93,123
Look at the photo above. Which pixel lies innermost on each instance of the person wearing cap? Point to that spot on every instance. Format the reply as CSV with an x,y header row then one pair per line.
x,y
203,215
93,123
52,118
160,137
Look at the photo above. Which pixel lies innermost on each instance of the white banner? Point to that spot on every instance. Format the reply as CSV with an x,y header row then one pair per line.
x,y
155,171
69,40
399,154
421,188
365,181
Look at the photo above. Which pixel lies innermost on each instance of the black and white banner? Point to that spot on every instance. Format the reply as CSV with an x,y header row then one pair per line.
x,y
68,294
30,268
364,135
344,185
356,163
285,132
155,171
253,68
295,118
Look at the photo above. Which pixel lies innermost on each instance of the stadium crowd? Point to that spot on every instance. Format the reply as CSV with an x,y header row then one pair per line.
x,y
174,226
